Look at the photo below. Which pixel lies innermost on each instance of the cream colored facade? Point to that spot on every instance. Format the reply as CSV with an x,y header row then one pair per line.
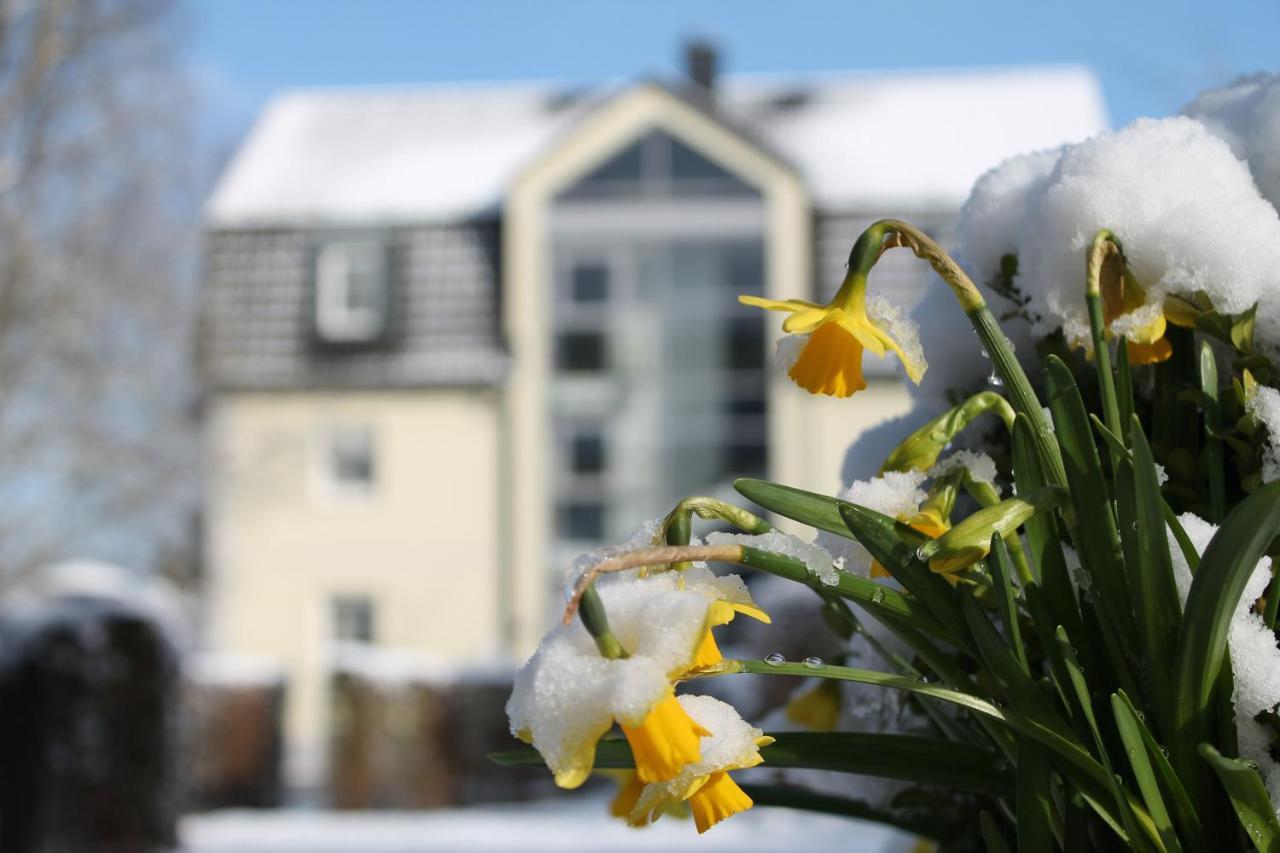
x,y
420,544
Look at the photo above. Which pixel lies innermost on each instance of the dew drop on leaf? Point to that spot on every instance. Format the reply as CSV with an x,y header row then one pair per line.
x,y
775,659
813,663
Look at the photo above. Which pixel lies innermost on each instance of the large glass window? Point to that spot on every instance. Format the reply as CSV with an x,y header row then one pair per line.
x,y
657,166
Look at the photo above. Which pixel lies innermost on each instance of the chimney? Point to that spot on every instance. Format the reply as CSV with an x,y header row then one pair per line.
x,y
700,62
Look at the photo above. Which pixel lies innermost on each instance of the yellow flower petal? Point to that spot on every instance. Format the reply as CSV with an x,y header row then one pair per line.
x,y
629,789
1151,353
830,363
665,741
805,316
817,709
716,800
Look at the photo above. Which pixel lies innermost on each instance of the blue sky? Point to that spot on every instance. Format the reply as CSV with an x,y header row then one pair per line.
x,y
1151,56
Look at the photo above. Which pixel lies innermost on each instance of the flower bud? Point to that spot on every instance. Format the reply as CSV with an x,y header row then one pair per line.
x,y
970,540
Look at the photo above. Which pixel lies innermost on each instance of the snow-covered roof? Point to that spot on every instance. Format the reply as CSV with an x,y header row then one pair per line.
x,y
447,153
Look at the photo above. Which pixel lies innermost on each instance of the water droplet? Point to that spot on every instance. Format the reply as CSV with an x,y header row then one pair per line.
x,y
925,679
922,553
995,380
984,352
1141,715
775,659
1252,765
1164,750
813,663
877,595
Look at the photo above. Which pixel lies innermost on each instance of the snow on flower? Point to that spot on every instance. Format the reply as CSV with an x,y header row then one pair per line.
x,y
1245,114
980,467
568,695
1185,209
894,493
705,785
1255,660
816,559
1265,406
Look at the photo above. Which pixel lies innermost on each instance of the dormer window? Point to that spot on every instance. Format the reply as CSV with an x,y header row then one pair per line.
x,y
351,293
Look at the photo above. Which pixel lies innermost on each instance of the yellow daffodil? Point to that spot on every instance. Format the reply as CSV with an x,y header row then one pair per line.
x,y
1109,278
705,786
817,709
665,740
721,613
628,795
830,361
569,695
1122,296
928,521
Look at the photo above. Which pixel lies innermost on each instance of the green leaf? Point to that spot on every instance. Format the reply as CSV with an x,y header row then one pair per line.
x,y
1124,384
1228,561
1024,695
1156,604
875,597
1095,529
1034,804
1128,726
1001,572
1249,797
921,824
863,676
991,833
820,512
910,758
1085,703
877,534
1184,812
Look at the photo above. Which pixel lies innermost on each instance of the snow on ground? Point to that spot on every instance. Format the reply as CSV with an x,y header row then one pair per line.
x,y
569,823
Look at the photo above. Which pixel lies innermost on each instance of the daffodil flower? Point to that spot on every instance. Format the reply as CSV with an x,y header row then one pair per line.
x,y
818,708
705,785
569,695
830,361
1123,297
927,521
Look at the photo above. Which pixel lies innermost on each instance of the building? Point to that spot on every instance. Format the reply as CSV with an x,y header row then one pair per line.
x,y
454,336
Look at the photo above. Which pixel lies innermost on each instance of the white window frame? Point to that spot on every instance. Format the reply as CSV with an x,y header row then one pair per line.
x,y
337,319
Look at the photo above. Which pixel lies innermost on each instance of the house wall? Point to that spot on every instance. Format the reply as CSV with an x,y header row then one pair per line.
x,y
422,545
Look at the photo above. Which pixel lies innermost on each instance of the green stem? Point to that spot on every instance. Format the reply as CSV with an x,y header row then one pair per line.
x,y
1213,456
1104,248
890,233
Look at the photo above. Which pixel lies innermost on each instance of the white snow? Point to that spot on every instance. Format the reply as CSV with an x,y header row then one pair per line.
x,y
1161,185
788,350
860,141
816,559
981,467
1245,113
896,323
400,667
568,823
1255,660
223,669
894,493
1265,406
568,694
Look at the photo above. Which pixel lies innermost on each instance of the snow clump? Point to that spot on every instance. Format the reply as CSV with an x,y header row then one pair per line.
x,y
816,559
894,493
1255,660
568,695
1184,208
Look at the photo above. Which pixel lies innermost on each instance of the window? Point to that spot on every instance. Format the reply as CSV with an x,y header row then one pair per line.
x,y
587,454
349,461
351,292
582,520
589,283
352,619
582,351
